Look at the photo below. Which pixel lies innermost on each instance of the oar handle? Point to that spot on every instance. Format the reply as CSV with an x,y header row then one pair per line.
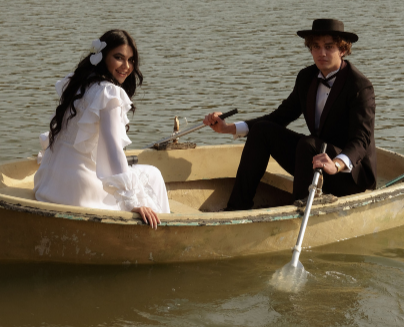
x,y
228,114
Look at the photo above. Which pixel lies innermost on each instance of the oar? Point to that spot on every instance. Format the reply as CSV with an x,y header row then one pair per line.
x,y
393,181
292,276
188,130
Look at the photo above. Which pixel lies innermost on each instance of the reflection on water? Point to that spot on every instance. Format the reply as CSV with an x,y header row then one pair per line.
x,y
352,283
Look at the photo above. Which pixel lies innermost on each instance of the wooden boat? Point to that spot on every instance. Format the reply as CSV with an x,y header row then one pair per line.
x,y
198,182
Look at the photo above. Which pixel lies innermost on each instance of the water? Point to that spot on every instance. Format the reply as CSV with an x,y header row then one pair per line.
x,y
200,56
353,283
196,56
289,279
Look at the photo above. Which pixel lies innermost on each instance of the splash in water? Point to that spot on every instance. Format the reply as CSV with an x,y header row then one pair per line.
x,y
289,279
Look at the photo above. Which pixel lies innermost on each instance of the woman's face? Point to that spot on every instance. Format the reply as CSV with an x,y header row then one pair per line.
x,y
119,62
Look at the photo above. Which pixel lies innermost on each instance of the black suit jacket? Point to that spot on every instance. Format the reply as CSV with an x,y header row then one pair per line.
x,y
347,120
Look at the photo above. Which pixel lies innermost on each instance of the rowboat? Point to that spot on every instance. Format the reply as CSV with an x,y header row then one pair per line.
x,y
199,182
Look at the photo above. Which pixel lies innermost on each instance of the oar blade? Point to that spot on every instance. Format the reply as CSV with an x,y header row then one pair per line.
x,y
289,279
292,277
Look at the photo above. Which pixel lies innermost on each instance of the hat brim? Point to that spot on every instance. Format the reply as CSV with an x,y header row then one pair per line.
x,y
351,37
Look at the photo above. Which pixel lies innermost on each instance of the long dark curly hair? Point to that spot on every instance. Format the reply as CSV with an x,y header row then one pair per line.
x,y
87,74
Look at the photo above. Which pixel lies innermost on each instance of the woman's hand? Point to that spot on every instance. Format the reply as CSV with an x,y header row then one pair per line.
x,y
219,125
324,162
148,216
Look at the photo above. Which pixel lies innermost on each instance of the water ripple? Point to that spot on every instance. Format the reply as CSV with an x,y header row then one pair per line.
x,y
196,57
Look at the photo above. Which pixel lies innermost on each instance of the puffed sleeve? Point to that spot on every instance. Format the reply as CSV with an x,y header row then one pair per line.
x,y
62,83
111,159
105,96
44,142
129,186
44,137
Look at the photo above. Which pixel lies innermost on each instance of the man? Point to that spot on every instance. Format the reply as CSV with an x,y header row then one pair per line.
x,y
338,104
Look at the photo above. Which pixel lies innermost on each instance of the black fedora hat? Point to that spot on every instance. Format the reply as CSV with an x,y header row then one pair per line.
x,y
329,27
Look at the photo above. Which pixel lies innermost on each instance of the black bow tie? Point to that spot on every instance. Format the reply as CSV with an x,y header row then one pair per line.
x,y
325,81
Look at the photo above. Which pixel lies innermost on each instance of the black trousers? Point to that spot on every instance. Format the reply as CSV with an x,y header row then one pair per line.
x,y
294,152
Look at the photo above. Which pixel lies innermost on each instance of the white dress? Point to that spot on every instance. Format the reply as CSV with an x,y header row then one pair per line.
x,y
87,166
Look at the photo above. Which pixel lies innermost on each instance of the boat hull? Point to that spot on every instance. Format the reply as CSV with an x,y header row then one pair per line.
x,y
31,231
67,238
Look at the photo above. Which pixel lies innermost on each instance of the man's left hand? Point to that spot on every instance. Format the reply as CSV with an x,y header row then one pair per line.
x,y
324,162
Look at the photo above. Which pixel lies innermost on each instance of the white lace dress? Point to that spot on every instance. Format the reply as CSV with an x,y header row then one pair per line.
x,y
87,166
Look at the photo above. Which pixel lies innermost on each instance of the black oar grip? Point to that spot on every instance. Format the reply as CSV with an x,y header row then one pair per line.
x,y
228,114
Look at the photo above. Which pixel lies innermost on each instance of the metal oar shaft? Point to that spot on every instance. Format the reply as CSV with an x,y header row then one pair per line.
x,y
189,130
312,192
313,188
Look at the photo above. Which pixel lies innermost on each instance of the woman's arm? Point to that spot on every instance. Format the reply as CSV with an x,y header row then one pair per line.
x,y
113,170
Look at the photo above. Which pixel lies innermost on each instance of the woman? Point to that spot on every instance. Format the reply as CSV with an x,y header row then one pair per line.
x,y
84,163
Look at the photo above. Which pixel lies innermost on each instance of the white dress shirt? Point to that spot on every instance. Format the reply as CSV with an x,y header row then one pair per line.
x,y
322,96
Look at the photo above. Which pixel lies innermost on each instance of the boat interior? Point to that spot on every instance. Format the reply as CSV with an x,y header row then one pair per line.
x,y
197,180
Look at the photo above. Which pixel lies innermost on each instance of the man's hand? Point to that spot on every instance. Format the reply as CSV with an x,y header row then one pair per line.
x,y
324,162
219,125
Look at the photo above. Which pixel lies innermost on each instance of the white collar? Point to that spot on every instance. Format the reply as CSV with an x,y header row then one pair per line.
x,y
320,74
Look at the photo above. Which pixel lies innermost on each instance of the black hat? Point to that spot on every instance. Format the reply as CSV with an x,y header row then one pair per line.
x,y
329,27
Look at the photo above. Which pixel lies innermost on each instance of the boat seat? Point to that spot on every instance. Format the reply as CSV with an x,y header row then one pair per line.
x,y
179,207
23,191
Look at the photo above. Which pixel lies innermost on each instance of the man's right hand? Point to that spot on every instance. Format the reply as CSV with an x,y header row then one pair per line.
x,y
219,125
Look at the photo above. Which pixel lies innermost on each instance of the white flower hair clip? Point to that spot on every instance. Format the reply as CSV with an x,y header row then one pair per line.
x,y
96,49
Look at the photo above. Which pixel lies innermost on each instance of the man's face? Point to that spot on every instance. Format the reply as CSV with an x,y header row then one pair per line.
x,y
326,54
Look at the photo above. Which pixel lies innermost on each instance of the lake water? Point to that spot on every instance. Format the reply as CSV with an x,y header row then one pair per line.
x,y
358,282
200,56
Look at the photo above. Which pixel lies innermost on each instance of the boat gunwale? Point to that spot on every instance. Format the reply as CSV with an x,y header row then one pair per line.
x,y
345,203
215,218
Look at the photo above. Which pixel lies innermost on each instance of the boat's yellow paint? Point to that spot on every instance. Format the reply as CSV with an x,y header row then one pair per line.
x,y
199,182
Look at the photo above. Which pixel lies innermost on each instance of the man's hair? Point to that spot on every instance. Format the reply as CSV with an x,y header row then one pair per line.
x,y
342,44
